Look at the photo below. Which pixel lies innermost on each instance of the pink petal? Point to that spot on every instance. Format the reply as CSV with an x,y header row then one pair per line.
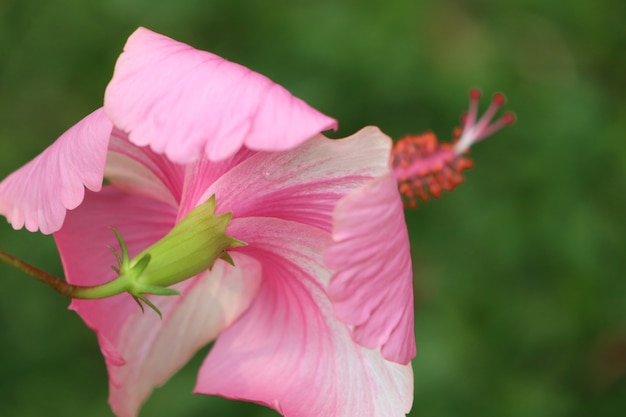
x,y
38,194
187,103
83,243
373,286
141,350
303,184
155,349
140,171
288,351
200,175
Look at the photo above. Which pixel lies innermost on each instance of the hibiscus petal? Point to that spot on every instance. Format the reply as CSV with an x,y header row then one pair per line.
x,y
141,350
373,286
83,244
140,171
187,103
288,351
38,194
155,349
199,177
303,184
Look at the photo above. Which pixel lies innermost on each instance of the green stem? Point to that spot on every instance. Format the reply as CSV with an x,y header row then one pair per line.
x,y
116,286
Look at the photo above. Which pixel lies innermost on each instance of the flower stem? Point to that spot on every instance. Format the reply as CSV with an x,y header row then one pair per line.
x,y
116,286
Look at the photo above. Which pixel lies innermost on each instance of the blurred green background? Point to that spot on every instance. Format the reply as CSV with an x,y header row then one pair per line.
x,y
521,299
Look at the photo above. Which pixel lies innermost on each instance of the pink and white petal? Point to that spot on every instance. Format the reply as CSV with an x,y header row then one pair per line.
x,y
303,184
200,175
372,288
288,351
187,103
155,349
38,195
140,171
83,243
141,350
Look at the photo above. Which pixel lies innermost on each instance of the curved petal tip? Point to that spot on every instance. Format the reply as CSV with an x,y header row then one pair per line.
x,y
372,288
37,195
187,103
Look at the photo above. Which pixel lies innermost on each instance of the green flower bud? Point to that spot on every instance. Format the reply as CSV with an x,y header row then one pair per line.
x,y
192,246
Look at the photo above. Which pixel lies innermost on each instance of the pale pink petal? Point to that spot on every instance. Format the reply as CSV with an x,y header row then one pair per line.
x,y
38,194
373,286
154,349
83,243
188,103
289,351
140,171
200,175
303,184
141,350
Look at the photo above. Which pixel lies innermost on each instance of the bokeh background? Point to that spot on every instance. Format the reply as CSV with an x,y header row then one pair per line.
x,y
520,273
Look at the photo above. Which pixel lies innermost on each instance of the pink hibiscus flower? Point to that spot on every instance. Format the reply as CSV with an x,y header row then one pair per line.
x,y
315,317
